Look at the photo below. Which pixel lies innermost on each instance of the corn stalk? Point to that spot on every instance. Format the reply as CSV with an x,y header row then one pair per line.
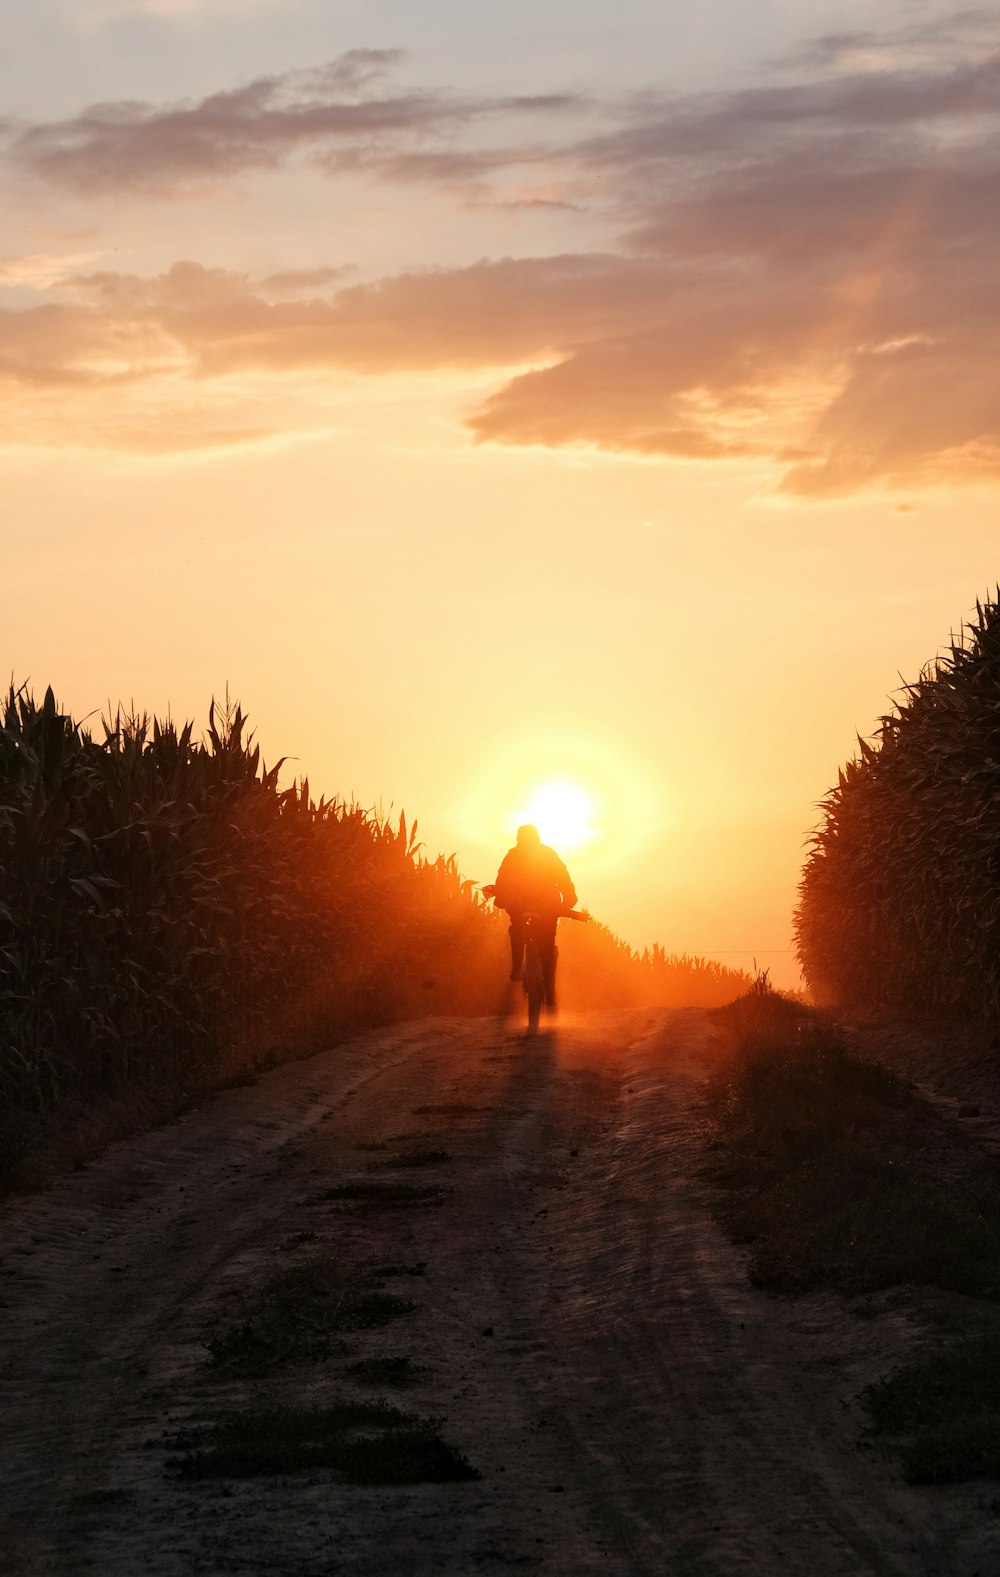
x,y
900,895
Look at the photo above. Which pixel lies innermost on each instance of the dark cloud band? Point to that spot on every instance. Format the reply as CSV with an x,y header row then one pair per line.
x,y
803,273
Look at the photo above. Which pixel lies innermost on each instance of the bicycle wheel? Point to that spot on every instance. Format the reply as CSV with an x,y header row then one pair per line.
x,y
534,985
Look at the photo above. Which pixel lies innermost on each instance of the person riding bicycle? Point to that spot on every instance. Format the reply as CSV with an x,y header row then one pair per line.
x,y
532,879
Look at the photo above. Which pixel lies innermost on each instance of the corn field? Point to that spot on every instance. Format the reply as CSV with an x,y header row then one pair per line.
x,y
170,917
900,895
163,905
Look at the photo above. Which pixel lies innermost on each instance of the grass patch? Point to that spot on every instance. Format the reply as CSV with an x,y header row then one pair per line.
x,y
837,1177
394,1371
419,1156
295,1318
829,1170
364,1442
860,1222
789,1095
387,1193
943,1412
761,1010
289,1321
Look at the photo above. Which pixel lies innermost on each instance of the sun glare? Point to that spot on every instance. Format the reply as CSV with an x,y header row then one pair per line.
x,y
563,813
589,794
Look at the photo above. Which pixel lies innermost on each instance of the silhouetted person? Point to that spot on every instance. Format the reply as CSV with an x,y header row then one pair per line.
x,y
532,879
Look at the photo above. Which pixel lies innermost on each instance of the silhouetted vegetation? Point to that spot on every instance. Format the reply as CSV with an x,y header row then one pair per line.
x,y
169,914
171,919
900,903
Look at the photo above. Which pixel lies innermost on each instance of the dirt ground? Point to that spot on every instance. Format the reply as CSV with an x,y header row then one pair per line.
x,y
584,1331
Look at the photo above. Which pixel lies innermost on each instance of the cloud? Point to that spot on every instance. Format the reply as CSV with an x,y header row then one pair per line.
x,y
343,115
163,10
41,270
801,275
98,13
910,416
301,281
927,41
213,322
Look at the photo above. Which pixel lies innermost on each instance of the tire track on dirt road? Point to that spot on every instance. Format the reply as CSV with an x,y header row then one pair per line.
x,y
588,1336
705,1420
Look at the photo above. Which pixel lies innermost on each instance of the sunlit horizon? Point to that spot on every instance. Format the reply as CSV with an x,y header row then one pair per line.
x,y
449,386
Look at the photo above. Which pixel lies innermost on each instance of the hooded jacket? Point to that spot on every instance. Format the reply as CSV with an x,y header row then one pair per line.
x,y
533,879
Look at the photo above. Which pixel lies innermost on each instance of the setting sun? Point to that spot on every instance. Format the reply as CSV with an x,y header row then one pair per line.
x,y
563,813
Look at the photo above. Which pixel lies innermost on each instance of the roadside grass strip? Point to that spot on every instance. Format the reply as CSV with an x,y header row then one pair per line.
x,y
861,1222
363,1442
825,1163
942,1412
835,1176
296,1316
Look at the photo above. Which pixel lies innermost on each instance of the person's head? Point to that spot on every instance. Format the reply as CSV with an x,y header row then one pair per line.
x,y
528,837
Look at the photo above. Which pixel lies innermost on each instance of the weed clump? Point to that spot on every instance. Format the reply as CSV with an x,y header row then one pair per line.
x,y
943,1411
295,1318
363,1442
824,1162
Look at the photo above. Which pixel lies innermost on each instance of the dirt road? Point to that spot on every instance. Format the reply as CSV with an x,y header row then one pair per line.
x,y
583,1329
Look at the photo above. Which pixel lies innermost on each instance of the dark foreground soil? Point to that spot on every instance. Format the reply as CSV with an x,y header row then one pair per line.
x,y
584,1331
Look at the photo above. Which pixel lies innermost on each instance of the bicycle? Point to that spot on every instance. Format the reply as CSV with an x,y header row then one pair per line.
x,y
533,972
536,987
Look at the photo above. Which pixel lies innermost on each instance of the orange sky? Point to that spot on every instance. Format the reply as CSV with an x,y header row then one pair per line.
x,y
480,414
